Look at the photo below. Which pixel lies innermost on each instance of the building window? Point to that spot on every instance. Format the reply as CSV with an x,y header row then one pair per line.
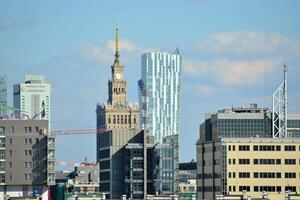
x,y
10,164
2,130
244,174
10,152
10,141
25,140
267,189
229,148
244,161
244,188
290,188
290,175
233,147
244,148
233,161
25,129
36,129
289,148
12,129
290,161
278,148
267,175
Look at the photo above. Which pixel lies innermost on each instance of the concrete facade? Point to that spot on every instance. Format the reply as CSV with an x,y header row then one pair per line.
x,y
29,157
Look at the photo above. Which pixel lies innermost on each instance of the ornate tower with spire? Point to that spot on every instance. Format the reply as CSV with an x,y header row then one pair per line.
x,y
117,85
115,117
117,113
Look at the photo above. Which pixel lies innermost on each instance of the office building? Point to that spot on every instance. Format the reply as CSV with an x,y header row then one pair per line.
x,y
33,98
27,158
237,156
134,166
3,94
159,93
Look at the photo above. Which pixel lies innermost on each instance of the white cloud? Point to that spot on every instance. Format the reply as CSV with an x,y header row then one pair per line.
x,y
232,72
97,53
241,58
244,42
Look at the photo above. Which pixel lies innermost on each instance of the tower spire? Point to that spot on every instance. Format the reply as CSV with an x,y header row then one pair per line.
x,y
117,55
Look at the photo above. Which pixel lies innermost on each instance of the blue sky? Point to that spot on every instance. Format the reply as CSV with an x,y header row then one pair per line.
x,y
233,54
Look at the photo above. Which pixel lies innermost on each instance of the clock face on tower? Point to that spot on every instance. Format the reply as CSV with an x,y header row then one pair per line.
x,y
118,76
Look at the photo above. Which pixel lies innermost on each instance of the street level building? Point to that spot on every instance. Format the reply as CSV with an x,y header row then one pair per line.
x,y
236,155
3,94
159,93
33,98
27,158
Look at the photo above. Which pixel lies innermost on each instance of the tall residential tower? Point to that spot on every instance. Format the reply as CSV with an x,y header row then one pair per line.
x,y
159,93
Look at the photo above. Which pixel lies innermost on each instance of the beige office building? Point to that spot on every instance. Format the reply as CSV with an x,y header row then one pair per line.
x,y
256,165
237,157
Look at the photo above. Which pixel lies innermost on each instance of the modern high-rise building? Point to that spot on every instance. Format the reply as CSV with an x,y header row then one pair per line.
x,y
238,157
33,98
27,159
121,118
3,94
134,166
159,93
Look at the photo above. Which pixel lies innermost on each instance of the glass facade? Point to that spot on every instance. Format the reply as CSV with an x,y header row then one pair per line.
x,y
243,128
164,176
134,172
293,128
159,93
3,94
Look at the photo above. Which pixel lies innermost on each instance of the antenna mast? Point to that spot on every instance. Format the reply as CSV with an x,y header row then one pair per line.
x,y
280,108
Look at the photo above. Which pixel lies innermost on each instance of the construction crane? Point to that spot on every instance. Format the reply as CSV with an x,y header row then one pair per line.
x,y
78,132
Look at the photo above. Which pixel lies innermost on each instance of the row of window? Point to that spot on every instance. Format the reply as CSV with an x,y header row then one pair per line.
x,y
120,119
27,129
262,175
263,148
262,161
262,188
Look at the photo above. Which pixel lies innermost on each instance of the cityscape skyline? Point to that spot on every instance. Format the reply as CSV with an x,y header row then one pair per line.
x,y
244,73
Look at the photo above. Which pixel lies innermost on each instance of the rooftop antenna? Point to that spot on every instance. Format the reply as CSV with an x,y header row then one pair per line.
x,y
280,108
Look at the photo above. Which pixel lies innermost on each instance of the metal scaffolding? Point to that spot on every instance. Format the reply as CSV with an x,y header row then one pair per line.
x,y
280,108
